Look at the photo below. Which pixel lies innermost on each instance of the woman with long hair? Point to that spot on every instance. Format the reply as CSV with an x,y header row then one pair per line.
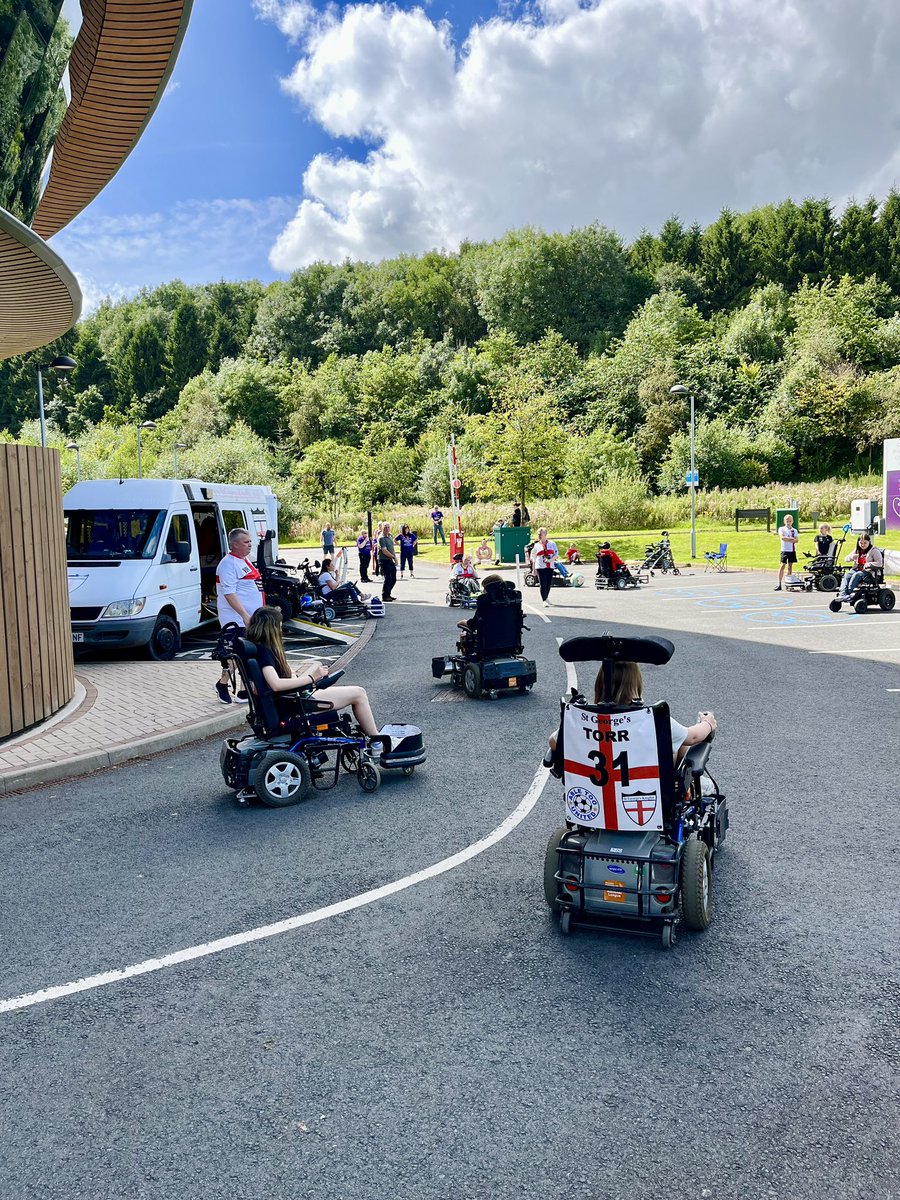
x,y
264,631
407,549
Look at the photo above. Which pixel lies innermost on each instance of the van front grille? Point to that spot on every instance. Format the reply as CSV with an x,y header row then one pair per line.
x,y
85,614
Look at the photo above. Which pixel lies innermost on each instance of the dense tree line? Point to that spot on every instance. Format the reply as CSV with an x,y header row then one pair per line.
x,y
550,356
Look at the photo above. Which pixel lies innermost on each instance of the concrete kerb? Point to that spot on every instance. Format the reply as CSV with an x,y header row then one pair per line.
x,y
156,743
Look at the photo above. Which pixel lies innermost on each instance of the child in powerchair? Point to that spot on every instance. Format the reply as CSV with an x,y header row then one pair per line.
x,y
264,631
606,555
628,688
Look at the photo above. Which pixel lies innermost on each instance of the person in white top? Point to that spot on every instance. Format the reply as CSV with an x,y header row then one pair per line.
x,y
544,556
789,538
238,596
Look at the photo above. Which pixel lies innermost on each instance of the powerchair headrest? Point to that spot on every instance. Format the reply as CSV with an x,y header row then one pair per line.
x,y
653,650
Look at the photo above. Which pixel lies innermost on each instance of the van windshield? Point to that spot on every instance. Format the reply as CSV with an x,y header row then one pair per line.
x,y
113,532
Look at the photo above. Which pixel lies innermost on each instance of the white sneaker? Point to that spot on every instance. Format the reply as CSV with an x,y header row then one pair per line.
x,y
546,604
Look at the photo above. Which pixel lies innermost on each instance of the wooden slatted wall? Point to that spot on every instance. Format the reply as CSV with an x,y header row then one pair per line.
x,y
37,673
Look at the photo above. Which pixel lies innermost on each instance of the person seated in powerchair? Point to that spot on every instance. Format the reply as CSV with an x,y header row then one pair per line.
x,y
611,568
870,566
291,689
339,594
489,649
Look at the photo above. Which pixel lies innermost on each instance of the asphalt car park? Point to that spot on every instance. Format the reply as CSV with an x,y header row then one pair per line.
x,y
364,996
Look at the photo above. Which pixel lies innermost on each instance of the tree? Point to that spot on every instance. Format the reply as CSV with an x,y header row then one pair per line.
x,y
186,349
525,443
726,261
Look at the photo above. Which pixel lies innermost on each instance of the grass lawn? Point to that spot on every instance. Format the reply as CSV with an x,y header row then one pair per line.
x,y
752,547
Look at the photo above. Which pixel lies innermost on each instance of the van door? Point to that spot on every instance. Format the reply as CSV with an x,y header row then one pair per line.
x,y
181,574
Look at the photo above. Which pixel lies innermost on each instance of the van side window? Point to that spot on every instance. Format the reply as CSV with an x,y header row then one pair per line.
x,y
179,531
233,519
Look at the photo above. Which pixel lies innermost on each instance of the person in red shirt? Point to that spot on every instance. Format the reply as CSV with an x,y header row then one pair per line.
x,y
573,558
606,555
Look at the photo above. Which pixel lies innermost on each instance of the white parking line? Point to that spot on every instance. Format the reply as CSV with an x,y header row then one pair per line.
x,y
90,982
862,650
537,612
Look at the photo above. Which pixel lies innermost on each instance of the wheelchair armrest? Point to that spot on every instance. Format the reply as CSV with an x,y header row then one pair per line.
x,y
696,758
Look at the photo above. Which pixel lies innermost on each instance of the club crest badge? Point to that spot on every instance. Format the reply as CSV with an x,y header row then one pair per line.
x,y
639,806
582,804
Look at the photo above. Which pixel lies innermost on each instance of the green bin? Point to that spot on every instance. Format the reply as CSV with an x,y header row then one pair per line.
x,y
511,540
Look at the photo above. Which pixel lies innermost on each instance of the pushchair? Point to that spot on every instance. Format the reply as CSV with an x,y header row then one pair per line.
x,y
639,843
658,557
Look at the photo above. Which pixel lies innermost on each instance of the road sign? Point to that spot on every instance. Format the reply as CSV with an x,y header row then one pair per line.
x,y
457,484
695,480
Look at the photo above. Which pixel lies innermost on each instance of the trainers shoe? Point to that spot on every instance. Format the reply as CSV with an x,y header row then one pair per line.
x,y
223,693
241,697
388,599
546,604
777,589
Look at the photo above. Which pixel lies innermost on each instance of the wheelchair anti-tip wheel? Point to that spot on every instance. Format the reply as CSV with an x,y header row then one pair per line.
x,y
696,884
368,776
280,778
667,937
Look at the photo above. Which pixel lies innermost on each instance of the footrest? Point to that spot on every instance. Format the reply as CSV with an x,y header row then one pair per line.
x,y
406,746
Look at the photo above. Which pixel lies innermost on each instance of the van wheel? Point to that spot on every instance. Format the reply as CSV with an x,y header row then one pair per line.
x,y
165,640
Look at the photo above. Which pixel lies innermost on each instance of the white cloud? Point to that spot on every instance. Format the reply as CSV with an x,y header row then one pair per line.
x,y
622,111
220,239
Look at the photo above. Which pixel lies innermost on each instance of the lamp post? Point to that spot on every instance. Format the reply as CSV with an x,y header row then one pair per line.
x,y
148,425
178,446
61,364
680,390
74,446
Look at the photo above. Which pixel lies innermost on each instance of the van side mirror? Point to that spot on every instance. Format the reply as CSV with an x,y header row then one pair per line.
x,y
180,553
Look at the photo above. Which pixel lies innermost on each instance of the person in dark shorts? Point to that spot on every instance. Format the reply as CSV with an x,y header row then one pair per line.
x,y
789,538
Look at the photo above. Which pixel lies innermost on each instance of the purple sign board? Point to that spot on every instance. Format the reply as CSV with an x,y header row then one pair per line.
x,y
892,485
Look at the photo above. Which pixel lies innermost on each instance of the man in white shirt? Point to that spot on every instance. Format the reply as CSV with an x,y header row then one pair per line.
x,y
789,538
238,596
544,556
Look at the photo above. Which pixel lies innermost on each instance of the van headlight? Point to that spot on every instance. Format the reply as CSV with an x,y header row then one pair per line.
x,y
124,608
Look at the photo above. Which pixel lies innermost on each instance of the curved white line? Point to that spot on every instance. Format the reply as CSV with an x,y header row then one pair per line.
x,y
311,918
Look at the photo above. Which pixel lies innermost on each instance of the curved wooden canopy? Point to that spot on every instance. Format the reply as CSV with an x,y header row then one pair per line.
x,y
121,61
39,298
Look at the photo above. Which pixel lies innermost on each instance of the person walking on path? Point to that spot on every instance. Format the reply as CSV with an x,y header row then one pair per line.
x,y
328,541
544,556
387,561
238,596
376,537
407,541
789,539
437,520
364,547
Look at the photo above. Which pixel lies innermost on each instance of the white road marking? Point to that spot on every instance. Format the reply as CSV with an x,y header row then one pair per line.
x,y
862,650
571,674
537,612
90,982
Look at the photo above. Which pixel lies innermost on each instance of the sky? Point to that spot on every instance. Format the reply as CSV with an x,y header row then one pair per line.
x,y
294,131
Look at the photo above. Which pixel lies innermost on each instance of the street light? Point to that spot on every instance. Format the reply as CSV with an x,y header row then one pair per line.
x,y
74,446
680,390
62,364
178,446
148,425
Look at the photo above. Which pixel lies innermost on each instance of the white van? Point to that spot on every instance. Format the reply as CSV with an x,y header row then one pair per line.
x,y
142,556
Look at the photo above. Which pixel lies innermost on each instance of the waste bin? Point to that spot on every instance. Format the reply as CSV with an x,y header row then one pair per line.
x,y
511,540
457,544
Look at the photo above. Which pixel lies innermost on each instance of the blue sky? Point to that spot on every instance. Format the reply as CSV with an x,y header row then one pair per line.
x,y
293,131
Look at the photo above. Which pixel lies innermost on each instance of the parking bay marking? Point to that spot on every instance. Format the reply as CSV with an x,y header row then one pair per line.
x,y
91,982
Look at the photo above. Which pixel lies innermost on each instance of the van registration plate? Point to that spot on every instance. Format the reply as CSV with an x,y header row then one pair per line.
x,y
77,636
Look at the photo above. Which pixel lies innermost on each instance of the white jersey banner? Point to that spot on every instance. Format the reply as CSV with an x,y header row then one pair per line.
x,y
611,767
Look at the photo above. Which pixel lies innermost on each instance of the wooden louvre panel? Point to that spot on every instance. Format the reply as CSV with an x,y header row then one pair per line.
x,y
39,297
121,61
37,675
